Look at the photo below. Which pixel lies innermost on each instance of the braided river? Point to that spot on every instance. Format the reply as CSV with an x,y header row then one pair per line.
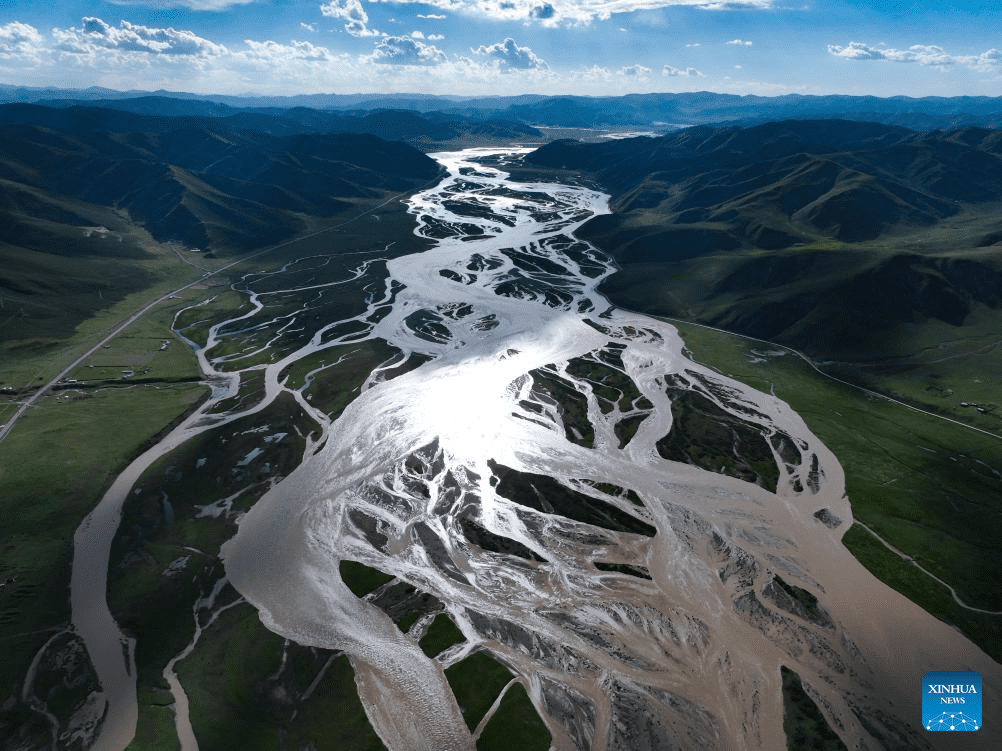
x,y
522,475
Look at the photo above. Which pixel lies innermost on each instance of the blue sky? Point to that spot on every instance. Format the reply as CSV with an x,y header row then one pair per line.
x,y
765,47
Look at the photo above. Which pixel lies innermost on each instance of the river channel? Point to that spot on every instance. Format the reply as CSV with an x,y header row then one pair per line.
x,y
632,594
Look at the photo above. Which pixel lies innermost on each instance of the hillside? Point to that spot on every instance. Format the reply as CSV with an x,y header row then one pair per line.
x,y
663,111
859,243
158,114
80,205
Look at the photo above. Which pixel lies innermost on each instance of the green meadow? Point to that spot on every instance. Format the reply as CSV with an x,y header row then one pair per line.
x,y
929,487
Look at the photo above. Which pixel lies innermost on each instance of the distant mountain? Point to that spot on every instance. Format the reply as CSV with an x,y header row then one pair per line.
x,y
155,114
822,234
777,184
234,191
678,110
81,188
665,111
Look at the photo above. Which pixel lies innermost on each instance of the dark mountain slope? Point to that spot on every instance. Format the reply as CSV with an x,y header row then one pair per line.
x,y
166,116
237,191
835,237
78,209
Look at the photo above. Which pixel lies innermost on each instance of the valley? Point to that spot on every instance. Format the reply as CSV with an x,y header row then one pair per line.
x,y
421,468
872,249
311,470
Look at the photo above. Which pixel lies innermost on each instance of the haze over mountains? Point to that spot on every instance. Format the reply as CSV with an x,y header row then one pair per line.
x,y
662,110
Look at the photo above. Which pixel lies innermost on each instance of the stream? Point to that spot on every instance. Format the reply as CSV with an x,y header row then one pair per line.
x,y
635,599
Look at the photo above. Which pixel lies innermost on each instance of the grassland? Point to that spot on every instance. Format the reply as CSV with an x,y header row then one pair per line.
x,y
476,681
53,469
60,457
244,695
928,486
515,724
860,309
441,634
805,727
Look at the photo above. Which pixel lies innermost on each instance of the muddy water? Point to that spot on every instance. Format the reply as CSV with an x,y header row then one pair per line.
x,y
506,305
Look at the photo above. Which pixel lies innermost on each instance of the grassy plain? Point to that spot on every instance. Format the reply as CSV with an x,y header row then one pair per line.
x,y
805,727
53,469
61,456
930,487
250,689
515,724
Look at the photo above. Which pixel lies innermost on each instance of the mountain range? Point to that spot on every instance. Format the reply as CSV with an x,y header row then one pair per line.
x,y
156,114
662,111
84,190
825,235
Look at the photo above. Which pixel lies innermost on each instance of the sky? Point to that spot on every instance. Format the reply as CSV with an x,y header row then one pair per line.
x,y
502,47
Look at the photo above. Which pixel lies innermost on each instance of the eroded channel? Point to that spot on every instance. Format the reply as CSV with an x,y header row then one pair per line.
x,y
618,526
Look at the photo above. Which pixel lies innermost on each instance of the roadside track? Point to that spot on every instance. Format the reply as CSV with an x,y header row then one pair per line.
x,y
925,571
28,403
830,377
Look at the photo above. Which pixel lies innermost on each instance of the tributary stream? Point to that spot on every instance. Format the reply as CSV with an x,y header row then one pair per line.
x,y
639,608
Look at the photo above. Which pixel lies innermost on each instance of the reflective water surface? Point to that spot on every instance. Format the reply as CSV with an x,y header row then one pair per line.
x,y
596,510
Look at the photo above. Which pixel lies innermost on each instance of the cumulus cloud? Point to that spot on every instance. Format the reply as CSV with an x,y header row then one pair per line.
x,y
923,54
508,56
95,35
670,70
594,73
18,38
557,12
739,43
276,52
397,50
634,71
988,60
308,26
432,16
356,20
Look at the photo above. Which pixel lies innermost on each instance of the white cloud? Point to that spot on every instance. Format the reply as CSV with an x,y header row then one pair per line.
x,y
432,16
635,71
17,39
435,37
855,51
394,50
670,70
988,61
739,43
275,52
95,35
923,54
308,26
693,44
557,12
594,73
507,55
356,20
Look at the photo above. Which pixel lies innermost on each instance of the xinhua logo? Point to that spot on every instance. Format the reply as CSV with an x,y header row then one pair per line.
x,y
951,700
